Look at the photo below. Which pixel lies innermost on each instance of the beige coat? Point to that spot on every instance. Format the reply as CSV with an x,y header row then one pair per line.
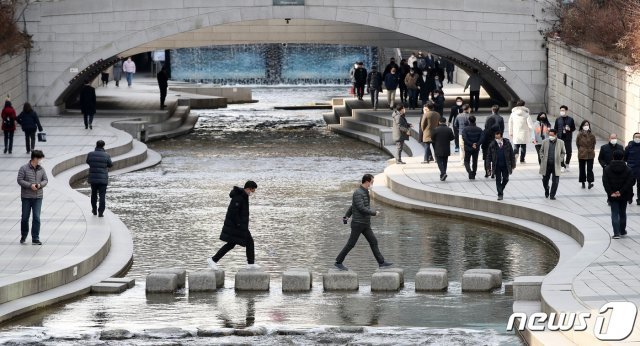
x,y
559,156
429,122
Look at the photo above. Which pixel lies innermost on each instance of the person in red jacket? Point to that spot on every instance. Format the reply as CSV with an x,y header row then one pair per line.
x,y
8,125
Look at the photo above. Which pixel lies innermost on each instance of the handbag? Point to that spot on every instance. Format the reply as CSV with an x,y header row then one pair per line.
x,y
42,137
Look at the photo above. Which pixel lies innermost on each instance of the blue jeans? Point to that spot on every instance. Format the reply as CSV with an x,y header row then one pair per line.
x,y
619,216
428,156
413,98
129,78
28,205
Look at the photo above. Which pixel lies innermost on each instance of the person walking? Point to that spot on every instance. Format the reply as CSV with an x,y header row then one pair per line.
x,y
618,181
360,213
439,102
163,84
129,68
32,179
88,104
586,144
450,67
606,151
520,129
441,137
473,137
413,58
352,77
493,124
462,121
29,121
427,85
99,163
411,83
474,82
391,82
374,86
390,65
401,131
117,72
632,158
502,161
455,111
540,131
9,119
565,125
403,71
429,121
360,76
552,156
236,225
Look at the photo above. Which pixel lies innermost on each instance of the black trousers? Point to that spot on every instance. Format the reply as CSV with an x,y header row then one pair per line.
x,y
364,229
88,120
30,140
442,164
163,96
399,148
98,190
403,92
251,255
538,147
8,141
360,91
502,178
522,149
456,139
586,171
475,100
568,147
485,154
554,182
471,167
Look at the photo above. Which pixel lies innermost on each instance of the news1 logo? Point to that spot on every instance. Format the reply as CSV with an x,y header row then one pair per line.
x,y
619,324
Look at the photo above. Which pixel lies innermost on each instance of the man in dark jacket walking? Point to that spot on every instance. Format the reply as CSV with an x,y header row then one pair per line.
x,y
32,179
99,163
502,161
442,137
473,137
632,158
361,212
29,122
494,123
163,84
565,126
88,103
374,86
607,150
236,225
618,181
360,77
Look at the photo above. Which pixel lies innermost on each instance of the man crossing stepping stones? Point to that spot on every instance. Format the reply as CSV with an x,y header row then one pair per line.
x,y
236,225
361,224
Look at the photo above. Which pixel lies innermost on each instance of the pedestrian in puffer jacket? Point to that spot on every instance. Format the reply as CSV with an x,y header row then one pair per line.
x,y
99,163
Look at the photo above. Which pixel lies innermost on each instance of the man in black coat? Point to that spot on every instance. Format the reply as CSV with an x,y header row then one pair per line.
x,y
473,137
494,123
163,84
236,225
607,150
618,181
442,137
502,161
88,103
360,76
565,125
99,163
455,111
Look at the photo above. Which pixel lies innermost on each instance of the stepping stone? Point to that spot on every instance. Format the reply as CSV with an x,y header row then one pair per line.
x,y
432,279
385,281
496,275
394,270
297,280
108,288
129,281
181,273
339,280
252,280
203,281
477,282
219,277
161,283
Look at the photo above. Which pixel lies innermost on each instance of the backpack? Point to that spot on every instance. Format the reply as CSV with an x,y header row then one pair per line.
x,y
8,122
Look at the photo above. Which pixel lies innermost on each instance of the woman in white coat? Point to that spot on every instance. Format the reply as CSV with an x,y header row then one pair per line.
x,y
520,129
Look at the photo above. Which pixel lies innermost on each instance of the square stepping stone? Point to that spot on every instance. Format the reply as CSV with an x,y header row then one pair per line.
x,y
477,282
496,275
219,277
339,280
385,281
394,270
161,283
129,281
108,288
203,281
432,279
252,280
181,273
297,280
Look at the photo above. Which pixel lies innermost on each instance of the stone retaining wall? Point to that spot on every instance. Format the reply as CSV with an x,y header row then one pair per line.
x,y
13,80
594,88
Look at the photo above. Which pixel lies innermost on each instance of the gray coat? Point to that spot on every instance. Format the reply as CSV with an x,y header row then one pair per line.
x,y
360,207
558,159
27,176
401,127
99,163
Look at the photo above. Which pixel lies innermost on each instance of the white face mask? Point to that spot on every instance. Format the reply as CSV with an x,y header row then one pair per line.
x,y
636,140
552,138
459,103
585,128
563,113
613,141
424,73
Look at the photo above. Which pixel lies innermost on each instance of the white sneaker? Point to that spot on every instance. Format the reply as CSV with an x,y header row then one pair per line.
x,y
253,266
212,264
562,170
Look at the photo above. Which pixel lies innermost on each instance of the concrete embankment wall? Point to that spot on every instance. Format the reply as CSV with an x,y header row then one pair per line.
x,y
13,72
594,88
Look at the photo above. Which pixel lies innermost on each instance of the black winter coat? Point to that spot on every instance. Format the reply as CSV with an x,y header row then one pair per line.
x,y
163,79
617,176
509,156
442,137
455,110
360,207
99,163
606,153
88,100
29,122
236,222
472,134
360,75
632,158
560,124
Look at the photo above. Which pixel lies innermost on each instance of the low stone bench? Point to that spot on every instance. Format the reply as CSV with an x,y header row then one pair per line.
x,y
394,270
385,281
527,288
108,288
339,280
477,282
202,281
496,275
297,280
432,279
128,281
254,279
180,273
161,283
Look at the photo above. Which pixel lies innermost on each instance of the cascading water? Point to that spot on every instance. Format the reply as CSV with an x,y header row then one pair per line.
x,y
269,64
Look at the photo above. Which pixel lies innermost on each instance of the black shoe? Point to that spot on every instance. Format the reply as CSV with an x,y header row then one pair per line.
x,y
616,237
444,177
552,198
590,186
36,242
100,215
500,197
583,186
399,162
90,127
22,240
5,150
546,192
94,212
86,127
341,267
385,264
